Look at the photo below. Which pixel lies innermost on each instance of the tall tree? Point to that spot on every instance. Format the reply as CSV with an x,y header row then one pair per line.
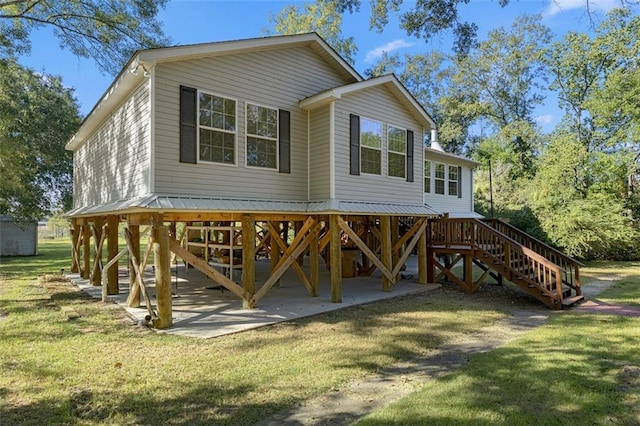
x,y
38,114
428,18
108,31
323,17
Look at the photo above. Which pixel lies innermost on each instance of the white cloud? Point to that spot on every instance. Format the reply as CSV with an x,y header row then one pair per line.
x,y
374,54
559,6
544,119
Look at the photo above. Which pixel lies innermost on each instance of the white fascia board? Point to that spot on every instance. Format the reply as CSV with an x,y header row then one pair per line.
x,y
433,154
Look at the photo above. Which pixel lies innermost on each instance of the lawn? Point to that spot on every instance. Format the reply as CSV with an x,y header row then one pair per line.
x,y
102,369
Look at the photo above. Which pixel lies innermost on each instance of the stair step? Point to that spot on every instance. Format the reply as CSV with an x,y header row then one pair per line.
x,y
568,301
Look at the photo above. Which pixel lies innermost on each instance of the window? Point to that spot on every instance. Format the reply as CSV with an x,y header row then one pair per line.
x,y
262,136
439,178
453,181
217,129
397,152
427,176
370,146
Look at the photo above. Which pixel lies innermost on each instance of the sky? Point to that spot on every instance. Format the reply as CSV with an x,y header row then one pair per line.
x,y
201,21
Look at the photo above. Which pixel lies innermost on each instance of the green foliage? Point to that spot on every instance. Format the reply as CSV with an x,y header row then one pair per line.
x,y
108,31
323,17
37,116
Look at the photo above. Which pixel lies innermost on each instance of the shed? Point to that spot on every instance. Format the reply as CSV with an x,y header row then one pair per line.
x,y
18,238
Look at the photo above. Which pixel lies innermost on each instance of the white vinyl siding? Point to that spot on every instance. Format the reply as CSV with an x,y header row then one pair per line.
x,y
113,164
319,154
446,203
279,78
380,104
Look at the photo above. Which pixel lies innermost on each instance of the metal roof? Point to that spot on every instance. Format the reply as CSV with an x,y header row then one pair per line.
x,y
166,203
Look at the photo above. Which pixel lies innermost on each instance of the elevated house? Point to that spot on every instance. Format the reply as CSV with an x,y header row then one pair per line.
x,y
272,146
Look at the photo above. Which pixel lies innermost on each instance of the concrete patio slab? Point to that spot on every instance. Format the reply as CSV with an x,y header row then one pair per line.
x,y
202,309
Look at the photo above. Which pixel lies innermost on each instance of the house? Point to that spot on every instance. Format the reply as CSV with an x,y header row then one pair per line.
x,y
275,134
18,238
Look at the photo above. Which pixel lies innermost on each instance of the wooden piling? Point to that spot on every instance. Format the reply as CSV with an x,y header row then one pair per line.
x,y
162,262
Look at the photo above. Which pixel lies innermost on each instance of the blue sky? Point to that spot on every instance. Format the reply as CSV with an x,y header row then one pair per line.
x,y
199,21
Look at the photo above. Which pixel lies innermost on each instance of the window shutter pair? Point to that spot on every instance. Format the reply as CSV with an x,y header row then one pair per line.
x,y
354,148
189,130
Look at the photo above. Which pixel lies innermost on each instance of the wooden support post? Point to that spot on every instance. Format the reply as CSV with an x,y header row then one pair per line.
x,y
98,242
422,258
248,260
386,256
314,261
75,239
112,251
395,236
335,256
162,261
86,249
468,271
275,251
298,226
133,276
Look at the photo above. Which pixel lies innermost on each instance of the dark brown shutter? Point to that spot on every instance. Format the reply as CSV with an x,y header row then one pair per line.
x,y
459,182
188,125
409,156
354,144
284,141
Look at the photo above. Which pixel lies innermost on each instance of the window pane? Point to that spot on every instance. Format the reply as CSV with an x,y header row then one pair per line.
x,y
370,133
453,188
262,152
370,161
427,176
217,147
439,186
453,180
397,140
397,164
439,178
262,135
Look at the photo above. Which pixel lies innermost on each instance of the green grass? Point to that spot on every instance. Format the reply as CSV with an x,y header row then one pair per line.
x,y
101,369
577,369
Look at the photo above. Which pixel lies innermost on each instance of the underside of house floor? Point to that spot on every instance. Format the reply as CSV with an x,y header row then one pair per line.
x,y
202,308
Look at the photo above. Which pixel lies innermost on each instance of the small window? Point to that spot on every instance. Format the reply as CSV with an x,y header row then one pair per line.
x,y
262,136
453,181
217,129
439,178
427,176
370,146
397,152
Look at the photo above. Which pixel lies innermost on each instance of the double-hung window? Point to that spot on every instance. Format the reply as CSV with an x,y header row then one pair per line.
x,y
370,146
453,181
397,152
217,129
262,136
439,178
427,176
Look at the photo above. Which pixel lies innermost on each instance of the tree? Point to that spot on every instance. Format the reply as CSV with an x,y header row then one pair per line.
x,y
322,17
428,18
37,116
108,31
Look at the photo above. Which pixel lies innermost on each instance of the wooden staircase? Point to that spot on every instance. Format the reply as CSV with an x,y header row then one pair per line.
x,y
504,251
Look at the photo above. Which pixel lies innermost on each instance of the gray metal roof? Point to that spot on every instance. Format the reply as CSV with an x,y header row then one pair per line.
x,y
166,203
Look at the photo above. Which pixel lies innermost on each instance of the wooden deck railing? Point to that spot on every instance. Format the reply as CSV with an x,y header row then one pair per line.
x,y
518,261
570,266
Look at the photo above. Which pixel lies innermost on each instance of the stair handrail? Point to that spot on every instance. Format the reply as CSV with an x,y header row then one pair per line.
x,y
533,255
537,241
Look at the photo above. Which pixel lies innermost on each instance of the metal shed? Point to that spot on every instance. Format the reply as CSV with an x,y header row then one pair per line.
x,y
18,238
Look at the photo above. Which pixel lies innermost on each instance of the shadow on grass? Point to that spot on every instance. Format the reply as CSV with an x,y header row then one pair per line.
x,y
590,376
